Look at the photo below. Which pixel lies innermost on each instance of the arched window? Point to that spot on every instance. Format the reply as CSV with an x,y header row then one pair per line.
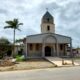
x,y
31,46
48,28
37,46
61,47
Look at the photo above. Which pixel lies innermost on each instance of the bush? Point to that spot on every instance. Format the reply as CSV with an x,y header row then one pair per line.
x,y
20,58
1,56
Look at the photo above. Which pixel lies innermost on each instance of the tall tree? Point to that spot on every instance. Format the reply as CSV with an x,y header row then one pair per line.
x,y
5,46
4,40
13,24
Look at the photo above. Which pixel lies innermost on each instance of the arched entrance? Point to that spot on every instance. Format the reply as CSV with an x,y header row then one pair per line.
x,y
47,51
50,39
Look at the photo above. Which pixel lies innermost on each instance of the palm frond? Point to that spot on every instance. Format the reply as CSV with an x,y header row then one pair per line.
x,y
9,22
20,24
7,27
13,24
18,29
16,21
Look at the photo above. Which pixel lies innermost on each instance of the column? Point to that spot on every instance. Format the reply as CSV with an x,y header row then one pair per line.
x,y
65,50
53,50
26,49
71,48
71,52
57,49
43,53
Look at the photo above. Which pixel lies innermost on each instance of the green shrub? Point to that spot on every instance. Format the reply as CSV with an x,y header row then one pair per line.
x,y
20,58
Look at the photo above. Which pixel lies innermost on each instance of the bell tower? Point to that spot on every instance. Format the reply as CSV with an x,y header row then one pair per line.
x,y
47,23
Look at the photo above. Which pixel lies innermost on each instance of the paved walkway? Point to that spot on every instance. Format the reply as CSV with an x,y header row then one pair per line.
x,y
58,61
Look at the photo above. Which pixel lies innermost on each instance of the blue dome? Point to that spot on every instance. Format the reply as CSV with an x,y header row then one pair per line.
x,y
47,18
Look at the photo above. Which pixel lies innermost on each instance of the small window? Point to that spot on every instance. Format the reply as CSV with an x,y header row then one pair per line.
x,y
48,28
31,46
61,46
37,46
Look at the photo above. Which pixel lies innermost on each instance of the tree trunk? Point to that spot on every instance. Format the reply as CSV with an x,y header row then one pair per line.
x,y
14,36
13,43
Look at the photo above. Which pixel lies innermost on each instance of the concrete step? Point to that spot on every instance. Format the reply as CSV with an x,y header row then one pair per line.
x,y
58,61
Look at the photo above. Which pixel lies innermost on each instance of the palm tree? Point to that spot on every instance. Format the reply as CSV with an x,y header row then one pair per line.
x,y
13,24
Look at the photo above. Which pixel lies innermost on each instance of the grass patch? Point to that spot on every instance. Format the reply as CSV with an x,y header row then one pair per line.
x,y
20,58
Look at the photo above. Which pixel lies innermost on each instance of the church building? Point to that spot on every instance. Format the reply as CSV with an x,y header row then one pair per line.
x,y
48,43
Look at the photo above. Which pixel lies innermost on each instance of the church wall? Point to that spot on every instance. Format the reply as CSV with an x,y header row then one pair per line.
x,y
38,53
62,52
44,28
34,52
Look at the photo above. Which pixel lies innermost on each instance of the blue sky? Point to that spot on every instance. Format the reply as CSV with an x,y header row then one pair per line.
x,y
66,16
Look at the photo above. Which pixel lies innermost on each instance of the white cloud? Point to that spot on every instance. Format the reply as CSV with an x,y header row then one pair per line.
x,y
66,14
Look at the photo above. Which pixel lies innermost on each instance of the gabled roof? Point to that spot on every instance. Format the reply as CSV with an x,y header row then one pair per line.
x,y
47,18
38,38
48,33
47,15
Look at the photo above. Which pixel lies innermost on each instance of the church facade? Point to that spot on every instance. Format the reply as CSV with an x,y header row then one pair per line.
x,y
48,43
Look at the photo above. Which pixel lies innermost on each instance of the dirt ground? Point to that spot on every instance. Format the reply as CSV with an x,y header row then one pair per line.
x,y
29,64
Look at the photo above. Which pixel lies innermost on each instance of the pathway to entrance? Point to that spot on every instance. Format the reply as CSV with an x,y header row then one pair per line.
x,y
58,61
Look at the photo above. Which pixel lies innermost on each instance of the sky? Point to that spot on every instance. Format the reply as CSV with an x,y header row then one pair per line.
x,y
66,15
